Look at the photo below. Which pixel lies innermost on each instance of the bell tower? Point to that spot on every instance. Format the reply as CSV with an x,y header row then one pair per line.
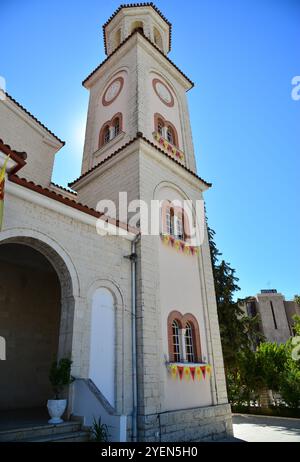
x,y
139,141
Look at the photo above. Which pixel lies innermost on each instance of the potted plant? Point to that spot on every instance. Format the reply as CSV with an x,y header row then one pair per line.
x,y
99,432
60,377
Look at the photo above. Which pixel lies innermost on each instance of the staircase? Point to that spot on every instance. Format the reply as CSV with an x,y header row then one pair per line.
x,y
65,432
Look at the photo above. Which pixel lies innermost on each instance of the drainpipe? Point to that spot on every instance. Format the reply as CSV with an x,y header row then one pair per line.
x,y
133,259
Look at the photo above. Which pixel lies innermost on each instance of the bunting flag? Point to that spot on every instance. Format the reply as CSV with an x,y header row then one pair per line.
x,y
168,146
208,370
173,371
203,370
179,245
199,372
180,371
187,373
2,184
192,371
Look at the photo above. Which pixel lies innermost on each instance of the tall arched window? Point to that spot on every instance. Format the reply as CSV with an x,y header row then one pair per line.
x,y
160,126
173,222
170,135
184,338
116,125
170,221
106,135
102,347
176,341
189,343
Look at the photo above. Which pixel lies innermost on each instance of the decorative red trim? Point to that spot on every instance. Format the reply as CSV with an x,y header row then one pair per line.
x,y
154,83
139,135
179,212
182,320
118,79
126,40
71,203
190,318
18,157
166,123
109,123
135,5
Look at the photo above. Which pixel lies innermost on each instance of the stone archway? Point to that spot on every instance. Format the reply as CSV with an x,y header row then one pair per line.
x,y
36,319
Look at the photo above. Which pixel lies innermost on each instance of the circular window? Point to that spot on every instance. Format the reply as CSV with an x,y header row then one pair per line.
x,y
163,92
112,91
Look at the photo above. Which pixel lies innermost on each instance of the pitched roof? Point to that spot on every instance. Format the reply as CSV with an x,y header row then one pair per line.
x,y
34,118
71,203
137,5
139,135
18,157
126,40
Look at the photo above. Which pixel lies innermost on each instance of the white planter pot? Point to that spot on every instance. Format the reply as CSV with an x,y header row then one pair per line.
x,y
56,408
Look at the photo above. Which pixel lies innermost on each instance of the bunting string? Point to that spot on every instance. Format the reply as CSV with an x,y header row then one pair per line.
x,y
194,373
168,146
179,245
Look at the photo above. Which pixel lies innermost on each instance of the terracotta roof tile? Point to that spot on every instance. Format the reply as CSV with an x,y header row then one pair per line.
x,y
137,5
126,40
139,135
64,189
18,157
65,200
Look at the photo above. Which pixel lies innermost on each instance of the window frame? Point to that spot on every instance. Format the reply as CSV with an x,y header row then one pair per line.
x,y
182,321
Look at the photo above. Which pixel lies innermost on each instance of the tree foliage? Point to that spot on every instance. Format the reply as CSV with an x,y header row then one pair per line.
x,y
251,364
238,331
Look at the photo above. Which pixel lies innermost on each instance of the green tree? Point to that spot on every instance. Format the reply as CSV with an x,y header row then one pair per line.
x,y
238,331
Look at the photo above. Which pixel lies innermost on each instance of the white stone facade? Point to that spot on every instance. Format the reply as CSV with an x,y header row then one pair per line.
x,y
88,264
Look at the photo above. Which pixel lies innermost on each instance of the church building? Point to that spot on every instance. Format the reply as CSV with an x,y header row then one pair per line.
x,y
135,312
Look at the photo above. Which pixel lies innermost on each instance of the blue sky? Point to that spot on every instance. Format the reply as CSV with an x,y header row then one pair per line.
x,y
242,55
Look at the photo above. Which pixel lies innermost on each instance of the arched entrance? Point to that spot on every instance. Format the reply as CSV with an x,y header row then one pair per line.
x,y
36,319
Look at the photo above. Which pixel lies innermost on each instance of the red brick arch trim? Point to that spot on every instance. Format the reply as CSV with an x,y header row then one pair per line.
x,y
109,123
158,117
182,320
167,205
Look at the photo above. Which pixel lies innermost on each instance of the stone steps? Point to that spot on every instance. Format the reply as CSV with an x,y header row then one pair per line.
x,y
67,431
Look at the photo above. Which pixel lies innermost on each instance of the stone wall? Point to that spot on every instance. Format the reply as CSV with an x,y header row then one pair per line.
x,y
192,425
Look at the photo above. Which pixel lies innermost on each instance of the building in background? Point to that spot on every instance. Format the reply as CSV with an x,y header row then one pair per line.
x,y
275,313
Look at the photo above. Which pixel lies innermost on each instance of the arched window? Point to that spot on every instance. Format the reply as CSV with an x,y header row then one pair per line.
x,y
178,225
158,39
170,221
170,135
110,129
183,338
106,135
137,25
160,126
173,222
189,343
165,129
176,341
116,125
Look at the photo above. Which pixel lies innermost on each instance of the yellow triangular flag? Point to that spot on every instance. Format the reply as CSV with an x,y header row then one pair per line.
x,y
2,182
